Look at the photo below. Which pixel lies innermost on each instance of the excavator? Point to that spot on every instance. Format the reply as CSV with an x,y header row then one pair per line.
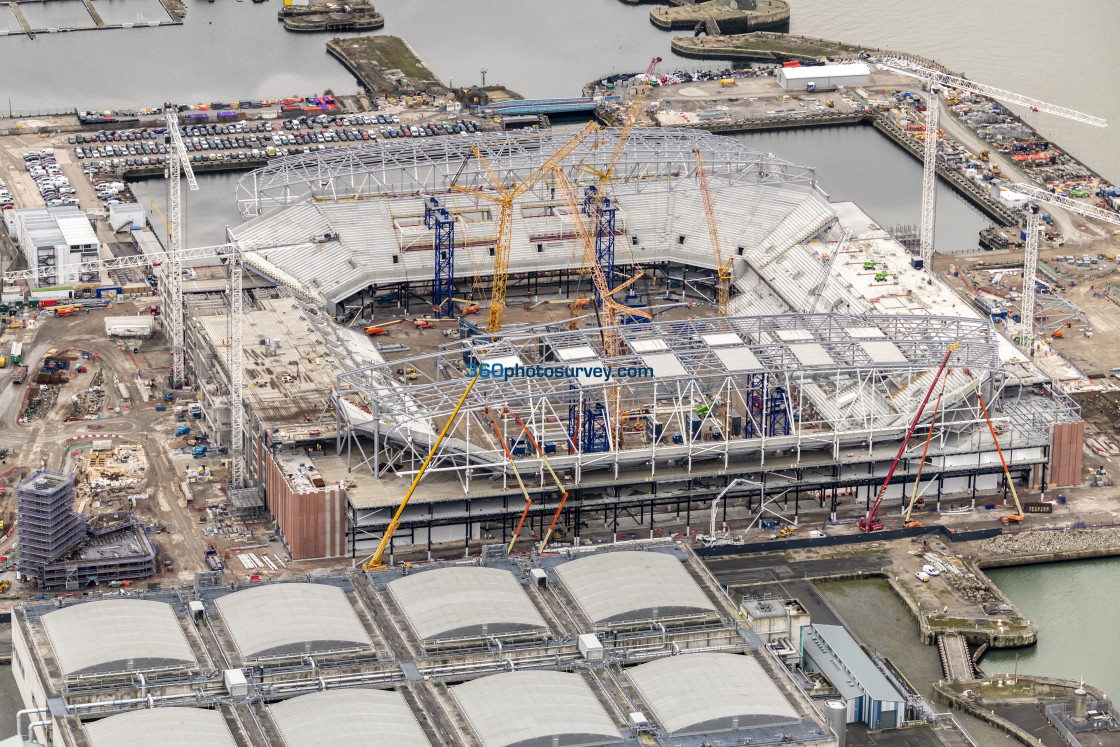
x,y
379,329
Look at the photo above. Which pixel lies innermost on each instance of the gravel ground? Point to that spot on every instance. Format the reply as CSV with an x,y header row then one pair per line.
x,y
1058,541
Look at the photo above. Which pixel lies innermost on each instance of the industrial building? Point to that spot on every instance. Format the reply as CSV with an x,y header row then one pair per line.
x,y
863,686
808,383
59,549
513,659
823,77
58,237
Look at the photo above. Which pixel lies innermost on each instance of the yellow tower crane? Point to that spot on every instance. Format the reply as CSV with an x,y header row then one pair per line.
x,y
723,270
503,197
629,120
612,308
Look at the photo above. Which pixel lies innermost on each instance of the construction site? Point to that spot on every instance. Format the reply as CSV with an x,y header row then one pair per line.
x,y
464,411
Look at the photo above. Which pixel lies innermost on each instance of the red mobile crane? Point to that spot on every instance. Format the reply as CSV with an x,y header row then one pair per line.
x,y
869,523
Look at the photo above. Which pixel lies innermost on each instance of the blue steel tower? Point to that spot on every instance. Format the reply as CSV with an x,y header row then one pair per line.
x,y
436,217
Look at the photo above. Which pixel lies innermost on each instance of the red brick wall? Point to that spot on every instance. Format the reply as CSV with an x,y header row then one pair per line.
x,y
1066,453
312,523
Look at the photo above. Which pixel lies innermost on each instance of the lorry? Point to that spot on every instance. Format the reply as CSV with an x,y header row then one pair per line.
x,y
17,353
19,375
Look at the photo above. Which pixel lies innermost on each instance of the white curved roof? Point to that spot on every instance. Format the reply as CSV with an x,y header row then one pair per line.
x,y
529,709
614,587
355,718
161,727
107,635
704,693
470,601
279,619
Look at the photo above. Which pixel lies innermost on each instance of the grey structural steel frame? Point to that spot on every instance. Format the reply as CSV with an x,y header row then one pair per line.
x,y
652,157
401,420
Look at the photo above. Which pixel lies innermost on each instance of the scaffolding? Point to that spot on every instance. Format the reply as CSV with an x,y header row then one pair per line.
x,y
60,550
49,527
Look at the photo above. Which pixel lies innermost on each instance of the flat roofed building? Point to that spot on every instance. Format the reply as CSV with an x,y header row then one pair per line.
x,y
165,727
351,717
288,618
619,587
115,635
869,695
824,76
710,692
535,709
465,602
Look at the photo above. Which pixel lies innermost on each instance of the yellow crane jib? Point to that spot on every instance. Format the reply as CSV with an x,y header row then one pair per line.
x,y
375,560
723,270
503,197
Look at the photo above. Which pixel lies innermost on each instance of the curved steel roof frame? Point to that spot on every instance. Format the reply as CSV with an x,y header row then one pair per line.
x,y
430,165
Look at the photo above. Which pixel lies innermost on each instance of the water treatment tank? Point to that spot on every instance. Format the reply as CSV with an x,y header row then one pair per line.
x,y
836,714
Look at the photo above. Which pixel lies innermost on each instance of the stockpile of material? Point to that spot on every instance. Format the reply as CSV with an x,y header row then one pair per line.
x,y
1047,542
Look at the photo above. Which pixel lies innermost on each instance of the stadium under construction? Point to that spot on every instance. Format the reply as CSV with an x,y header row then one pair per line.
x,y
802,390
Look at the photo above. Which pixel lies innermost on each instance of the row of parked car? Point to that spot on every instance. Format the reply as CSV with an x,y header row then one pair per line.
x,y
389,127
54,186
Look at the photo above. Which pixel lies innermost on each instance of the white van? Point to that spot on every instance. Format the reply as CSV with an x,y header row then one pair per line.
x,y
816,534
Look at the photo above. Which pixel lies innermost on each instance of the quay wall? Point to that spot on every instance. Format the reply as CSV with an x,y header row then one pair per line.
x,y
741,23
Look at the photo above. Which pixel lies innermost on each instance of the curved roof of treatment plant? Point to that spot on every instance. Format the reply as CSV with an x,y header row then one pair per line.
x,y
465,602
115,635
165,727
710,692
530,709
615,587
350,717
283,618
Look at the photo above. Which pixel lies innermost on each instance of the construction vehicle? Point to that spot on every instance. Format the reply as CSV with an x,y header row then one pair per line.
x,y
869,265
1017,517
985,156
869,523
881,277
723,269
198,452
612,308
813,298
379,329
559,485
786,532
936,79
5,585
182,430
470,308
504,197
375,560
727,81
422,324
408,374
19,375
1030,253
